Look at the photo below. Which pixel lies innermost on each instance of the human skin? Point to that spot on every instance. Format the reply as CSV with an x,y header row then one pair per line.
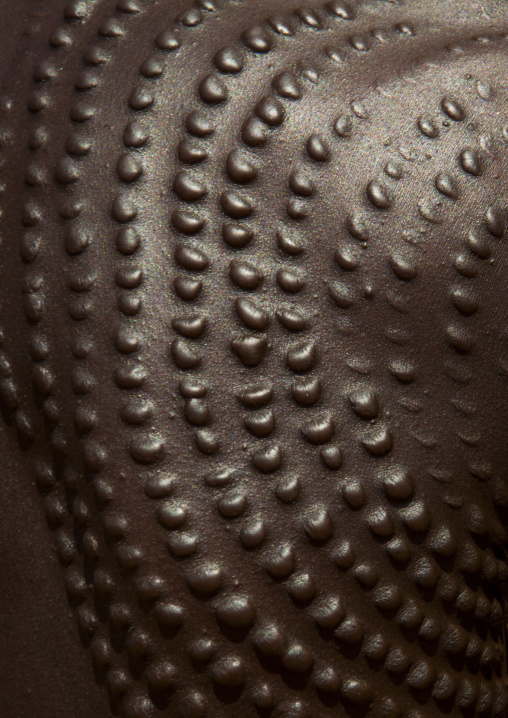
x,y
253,358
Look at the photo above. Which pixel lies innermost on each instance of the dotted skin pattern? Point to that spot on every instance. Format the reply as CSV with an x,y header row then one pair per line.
x,y
253,342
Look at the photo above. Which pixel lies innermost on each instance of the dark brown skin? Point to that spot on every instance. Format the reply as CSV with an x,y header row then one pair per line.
x,y
253,373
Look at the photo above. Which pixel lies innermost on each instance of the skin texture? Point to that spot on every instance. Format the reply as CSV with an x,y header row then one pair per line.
x,y
253,359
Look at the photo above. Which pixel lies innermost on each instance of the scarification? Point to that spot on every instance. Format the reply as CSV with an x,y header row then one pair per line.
x,y
246,421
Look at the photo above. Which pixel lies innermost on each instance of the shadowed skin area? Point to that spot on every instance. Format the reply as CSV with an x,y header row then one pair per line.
x,y
253,358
